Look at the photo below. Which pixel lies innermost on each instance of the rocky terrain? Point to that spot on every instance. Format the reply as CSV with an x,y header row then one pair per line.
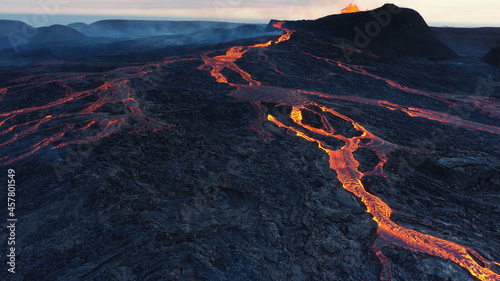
x,y
299,156
470,42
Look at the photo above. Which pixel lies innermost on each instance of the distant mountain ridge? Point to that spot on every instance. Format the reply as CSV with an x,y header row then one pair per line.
x,y
387,31
469,41
135,28
9,27
12,26
15,34
55,33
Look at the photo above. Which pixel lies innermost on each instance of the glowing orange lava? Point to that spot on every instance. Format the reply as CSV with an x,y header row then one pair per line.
x,y
343,162
351,8
85,120
484,104
216,64
286,35
414,112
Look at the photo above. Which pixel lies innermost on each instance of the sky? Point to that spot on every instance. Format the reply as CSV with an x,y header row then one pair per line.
x,y
47,12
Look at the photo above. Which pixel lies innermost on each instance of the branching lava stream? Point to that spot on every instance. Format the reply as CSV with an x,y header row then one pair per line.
x,y
342,161
346,166
84,118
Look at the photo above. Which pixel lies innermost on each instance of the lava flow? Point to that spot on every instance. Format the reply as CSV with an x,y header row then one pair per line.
x,y
484,104
216,64
81,121
346,166
343,162
413,112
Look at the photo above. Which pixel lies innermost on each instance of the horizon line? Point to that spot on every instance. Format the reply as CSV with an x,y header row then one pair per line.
x,y
66,19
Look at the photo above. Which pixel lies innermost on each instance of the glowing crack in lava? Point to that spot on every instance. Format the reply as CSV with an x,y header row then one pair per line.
x,y
76,117
413,112
216,64
346,166
342,161
351,8
484,104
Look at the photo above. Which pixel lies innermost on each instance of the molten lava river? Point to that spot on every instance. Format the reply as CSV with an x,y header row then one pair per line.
x,y
117,90
343,162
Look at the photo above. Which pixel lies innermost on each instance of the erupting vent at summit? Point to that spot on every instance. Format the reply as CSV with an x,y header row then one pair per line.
x,y
351,8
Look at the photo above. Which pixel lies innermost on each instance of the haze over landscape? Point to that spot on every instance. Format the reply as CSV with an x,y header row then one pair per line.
x,y
460,13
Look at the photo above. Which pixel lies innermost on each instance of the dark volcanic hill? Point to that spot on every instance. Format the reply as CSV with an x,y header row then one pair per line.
x,y
388,31
78,25
133,28
42,36
492,57
8,28
55,33
11,26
